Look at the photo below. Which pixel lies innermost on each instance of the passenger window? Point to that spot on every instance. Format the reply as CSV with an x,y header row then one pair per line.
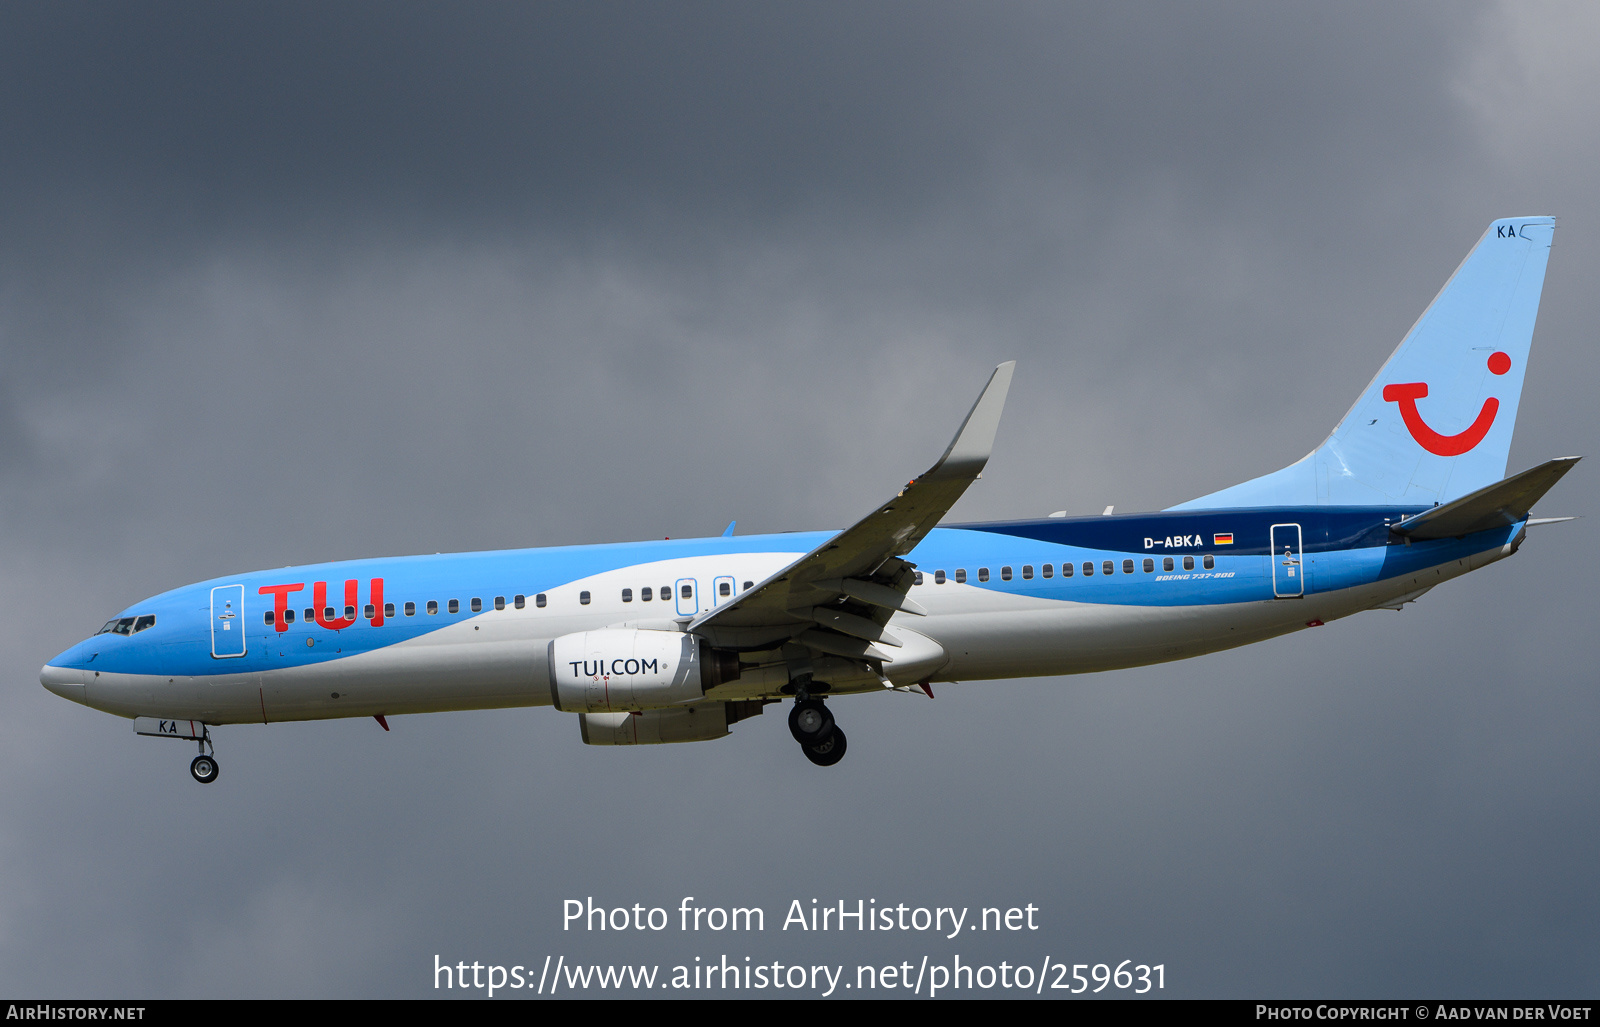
x,y
725,588
983,574
370,611
327,613
666,593
583,598
916,577
644,595
388,609
1149,565
961,575
349,613
519,601
1066,570
1166,563
271,617
938,577
687,592
1047,570
1088,569
433,607
311,615
288,616
1005,573
1108,567
411,609
1127,566
627,595
539,600
1027,572
1188,563
499,602
147,621
455,606
477,605
1210,561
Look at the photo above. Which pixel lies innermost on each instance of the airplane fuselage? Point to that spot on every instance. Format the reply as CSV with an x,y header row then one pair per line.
x,y
1005,599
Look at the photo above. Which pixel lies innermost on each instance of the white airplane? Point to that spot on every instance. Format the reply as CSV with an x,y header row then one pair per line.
x,y
674,641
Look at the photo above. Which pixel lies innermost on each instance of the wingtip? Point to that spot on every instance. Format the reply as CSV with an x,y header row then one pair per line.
x,y
969,450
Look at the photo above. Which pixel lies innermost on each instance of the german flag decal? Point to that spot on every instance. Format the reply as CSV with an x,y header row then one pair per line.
x,y
1223,540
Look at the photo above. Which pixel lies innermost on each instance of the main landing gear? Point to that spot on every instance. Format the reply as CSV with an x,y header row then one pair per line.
x,y
811,724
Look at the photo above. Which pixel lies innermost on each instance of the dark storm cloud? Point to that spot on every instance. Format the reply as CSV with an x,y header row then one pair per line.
x,y
286,283
1002,161
496,111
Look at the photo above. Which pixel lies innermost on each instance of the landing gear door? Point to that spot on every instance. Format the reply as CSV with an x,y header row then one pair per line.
x,y
1288,570
227,621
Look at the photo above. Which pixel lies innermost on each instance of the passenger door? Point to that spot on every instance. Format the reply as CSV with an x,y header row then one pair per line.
x,y
227,622
1288,570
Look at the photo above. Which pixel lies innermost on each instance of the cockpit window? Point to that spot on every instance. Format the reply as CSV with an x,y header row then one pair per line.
x,y
128,625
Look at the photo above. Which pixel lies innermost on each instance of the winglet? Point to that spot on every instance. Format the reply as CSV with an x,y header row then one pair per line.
x,y
969,450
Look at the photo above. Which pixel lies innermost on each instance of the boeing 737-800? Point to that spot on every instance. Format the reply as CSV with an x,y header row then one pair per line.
x,y
675,641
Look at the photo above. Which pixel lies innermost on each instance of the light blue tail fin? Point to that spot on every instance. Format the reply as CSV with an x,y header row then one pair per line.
x,y
1436,422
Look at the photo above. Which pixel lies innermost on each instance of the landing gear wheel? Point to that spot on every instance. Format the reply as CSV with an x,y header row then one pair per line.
x,y
810,722
829,752
204,769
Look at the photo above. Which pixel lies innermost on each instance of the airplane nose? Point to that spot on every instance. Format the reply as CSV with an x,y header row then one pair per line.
x,y
63,681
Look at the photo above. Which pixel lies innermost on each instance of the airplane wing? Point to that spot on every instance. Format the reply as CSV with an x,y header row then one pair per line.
x,y
837,598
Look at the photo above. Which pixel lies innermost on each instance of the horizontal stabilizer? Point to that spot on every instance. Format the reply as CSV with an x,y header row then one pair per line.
x,y
1498,506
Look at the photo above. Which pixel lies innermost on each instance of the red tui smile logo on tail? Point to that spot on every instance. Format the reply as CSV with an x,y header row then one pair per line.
x,y
1407,394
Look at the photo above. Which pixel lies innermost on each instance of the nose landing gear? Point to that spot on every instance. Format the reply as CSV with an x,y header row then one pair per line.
x,y
204,769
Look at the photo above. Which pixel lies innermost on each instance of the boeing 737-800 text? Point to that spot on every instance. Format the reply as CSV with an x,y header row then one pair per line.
x,y
674,641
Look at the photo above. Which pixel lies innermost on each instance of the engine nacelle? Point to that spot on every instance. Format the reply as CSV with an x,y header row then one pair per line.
x,y
616,669
699,723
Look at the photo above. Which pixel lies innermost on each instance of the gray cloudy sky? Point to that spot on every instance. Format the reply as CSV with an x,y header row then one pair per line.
x,y
292,283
